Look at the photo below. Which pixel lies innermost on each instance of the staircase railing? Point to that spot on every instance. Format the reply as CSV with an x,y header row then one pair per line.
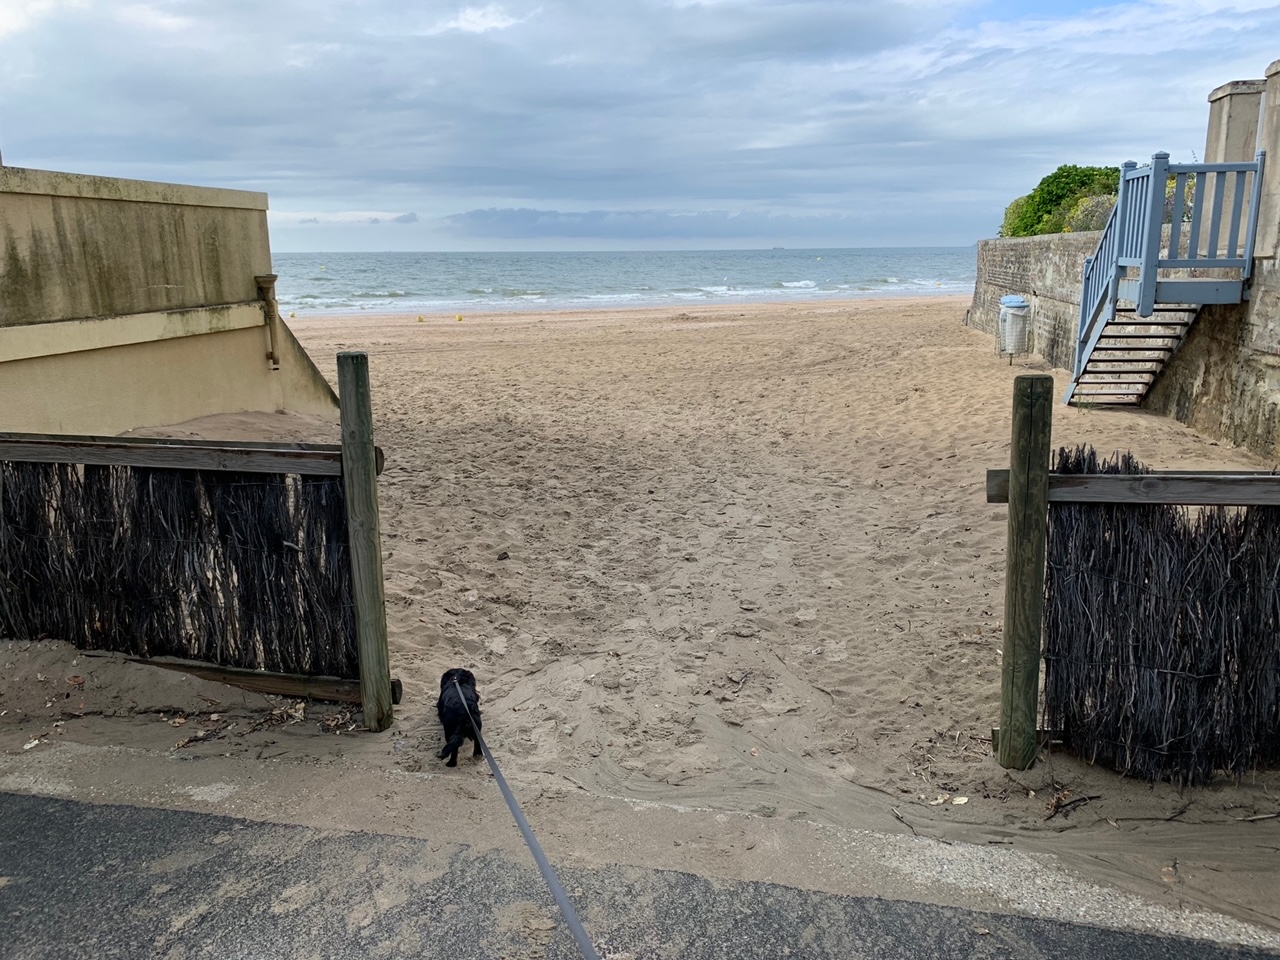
x,y
1133,237
1101,276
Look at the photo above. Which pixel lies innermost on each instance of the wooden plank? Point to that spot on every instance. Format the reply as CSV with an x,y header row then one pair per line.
x,y
173,457
175,441
250,456
1093,371
1184,487
364,538
1110,383
1132,348
1024,570
1143,335
1150,322
1187,262
332,689
1199,291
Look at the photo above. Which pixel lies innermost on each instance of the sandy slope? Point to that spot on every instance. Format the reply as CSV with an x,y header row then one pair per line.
x,y
740,558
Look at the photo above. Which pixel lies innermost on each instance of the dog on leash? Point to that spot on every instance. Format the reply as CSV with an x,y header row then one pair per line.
x,y
452,708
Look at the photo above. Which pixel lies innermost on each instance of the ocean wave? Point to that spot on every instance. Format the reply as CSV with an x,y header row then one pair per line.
x,y
451,283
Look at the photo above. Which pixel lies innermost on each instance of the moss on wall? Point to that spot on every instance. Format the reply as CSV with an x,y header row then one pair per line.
x,y
70,257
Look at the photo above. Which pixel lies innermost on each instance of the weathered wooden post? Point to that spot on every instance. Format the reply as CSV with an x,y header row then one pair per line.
x,y
359,481
1024,570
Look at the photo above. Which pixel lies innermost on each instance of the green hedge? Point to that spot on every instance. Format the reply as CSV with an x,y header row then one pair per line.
x,y
1056,204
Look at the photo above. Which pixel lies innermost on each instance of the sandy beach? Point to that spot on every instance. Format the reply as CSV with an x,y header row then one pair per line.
x,y
731,559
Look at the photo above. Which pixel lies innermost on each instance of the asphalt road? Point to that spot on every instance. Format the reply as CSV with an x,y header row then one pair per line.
x,y
103,882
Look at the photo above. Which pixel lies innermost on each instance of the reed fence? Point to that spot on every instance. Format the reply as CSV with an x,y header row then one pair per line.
x,y
1162,632
1153,599
262,558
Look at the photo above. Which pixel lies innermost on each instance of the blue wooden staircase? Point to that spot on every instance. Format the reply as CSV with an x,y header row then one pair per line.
x,y
1140,295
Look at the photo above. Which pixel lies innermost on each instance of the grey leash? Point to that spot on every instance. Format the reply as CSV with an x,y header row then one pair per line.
x,y
544,865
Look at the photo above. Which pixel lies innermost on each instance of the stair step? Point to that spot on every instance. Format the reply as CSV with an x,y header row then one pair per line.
x,y
1090,370
1113,383
1148,322
1139,336
1166,309
1135,394
1133,350
1127,402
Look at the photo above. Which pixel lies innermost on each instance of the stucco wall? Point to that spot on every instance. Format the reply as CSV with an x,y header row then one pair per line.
x,y
74,246
127,304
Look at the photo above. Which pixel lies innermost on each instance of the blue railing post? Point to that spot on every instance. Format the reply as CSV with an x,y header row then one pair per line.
x,y
1255,201
1151,233
1086,313
1123,199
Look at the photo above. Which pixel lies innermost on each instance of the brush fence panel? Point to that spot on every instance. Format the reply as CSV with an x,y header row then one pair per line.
x,y
1162,632
245,567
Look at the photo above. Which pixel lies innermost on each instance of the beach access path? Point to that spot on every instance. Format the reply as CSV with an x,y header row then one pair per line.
x,y
732,590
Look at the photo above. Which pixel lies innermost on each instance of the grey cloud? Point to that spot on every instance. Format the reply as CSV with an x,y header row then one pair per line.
x,y
868,119
524,223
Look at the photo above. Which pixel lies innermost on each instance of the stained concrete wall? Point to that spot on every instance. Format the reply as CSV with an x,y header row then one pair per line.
x,y
126,304
1225,379
1047,271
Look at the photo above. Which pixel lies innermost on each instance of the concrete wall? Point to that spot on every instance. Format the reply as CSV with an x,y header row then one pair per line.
x,y
126,304
1047,271
1225,379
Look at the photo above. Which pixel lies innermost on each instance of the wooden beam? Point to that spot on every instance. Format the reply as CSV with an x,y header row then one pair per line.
x,y
1024,570
364,538
260,681
1183,487
250,456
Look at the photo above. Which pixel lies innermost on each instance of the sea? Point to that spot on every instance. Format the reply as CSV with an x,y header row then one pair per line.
x,y
312,283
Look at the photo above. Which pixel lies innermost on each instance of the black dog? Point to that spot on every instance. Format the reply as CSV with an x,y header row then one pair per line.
x,y
452,708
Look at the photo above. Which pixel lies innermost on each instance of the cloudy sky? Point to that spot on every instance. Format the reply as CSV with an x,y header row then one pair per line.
x,y
616,124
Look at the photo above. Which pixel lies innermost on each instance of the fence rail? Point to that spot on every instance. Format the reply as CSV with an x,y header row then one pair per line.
x,y
1177,488
246,456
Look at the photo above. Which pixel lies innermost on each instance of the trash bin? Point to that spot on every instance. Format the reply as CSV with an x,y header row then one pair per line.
x,y
1015,312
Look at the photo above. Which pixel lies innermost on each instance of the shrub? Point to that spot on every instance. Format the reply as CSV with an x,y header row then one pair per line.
x,y
1013,214
1046,208
1088,213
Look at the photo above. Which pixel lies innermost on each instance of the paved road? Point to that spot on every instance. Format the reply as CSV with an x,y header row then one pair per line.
x,y
102,882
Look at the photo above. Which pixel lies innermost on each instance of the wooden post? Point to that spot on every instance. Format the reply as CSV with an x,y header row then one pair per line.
x,y
364,536
1024,570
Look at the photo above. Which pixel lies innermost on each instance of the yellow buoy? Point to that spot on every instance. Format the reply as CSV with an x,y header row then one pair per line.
x,y
458,318
420,318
